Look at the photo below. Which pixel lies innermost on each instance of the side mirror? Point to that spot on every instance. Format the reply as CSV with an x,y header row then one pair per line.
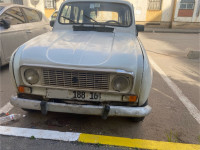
x,y
52,23
5,23
139,28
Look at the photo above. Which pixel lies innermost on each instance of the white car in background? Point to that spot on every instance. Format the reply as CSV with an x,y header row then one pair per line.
x,y
19,24
53,16
91,63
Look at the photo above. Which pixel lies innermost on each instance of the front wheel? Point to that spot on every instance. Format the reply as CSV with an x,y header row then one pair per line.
x,y
137,119
0,62
29,110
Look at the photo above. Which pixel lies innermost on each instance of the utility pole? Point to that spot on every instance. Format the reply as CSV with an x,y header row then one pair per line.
x,y
173,13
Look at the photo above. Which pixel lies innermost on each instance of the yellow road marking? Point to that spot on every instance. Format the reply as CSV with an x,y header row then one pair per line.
x,y
135,143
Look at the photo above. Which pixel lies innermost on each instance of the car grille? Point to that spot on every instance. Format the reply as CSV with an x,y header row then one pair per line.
x,y
75,79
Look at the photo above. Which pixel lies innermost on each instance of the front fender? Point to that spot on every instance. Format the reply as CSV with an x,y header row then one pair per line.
x,y
14,67
147,77
11,69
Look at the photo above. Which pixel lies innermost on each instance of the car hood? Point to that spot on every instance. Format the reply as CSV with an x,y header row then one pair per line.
x,y
81,48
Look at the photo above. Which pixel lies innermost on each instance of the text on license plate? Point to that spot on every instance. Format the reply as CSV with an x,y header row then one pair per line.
x,y
86,95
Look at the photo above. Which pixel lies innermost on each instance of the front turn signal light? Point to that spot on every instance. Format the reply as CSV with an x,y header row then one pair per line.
x,y
22,89
132,98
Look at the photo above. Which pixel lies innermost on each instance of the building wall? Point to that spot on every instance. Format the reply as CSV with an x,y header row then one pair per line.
x,y
39,5
140,7
7,1
142,14
167,10
187,22
58,4
195,17
165,14
49,12
154,15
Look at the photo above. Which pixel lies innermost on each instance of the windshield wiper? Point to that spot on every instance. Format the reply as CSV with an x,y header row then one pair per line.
x,y
92,19
68,19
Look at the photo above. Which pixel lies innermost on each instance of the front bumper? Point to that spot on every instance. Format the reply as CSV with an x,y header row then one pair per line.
x,y
82,109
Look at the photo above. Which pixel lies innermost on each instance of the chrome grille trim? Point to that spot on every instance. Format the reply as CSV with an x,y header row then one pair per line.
x,y
75,79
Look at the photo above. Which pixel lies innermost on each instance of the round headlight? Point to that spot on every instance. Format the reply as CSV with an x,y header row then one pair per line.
x,y
31,76
120,83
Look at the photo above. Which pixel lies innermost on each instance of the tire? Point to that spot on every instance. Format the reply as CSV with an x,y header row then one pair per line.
x,y
29,110
137,119
0,63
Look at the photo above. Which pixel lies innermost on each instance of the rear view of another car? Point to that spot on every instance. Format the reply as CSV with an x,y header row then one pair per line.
x,y
19,24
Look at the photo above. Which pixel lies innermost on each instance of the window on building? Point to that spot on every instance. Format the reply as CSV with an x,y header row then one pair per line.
x,y
50,4
187,4
186,8
155,5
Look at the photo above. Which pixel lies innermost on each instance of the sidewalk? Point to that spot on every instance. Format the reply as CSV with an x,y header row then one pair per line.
x,y
167,30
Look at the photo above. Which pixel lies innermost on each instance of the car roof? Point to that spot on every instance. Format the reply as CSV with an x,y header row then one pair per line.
x,y
102,0
115,1
8,5
5,4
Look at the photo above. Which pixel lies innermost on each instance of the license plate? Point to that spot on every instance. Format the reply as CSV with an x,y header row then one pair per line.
x,y
82,95
70,94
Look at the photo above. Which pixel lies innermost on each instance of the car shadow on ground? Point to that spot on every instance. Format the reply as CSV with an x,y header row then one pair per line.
x,y
79,123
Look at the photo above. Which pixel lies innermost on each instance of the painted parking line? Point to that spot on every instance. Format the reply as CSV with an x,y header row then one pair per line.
x,y
135,143
95,139
40,134
186,102
6,108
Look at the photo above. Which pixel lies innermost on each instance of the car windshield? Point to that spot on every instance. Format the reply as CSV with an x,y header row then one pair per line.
x,y
103,13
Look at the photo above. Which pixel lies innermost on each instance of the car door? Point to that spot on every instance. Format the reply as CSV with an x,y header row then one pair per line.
x,y
14,36
35,24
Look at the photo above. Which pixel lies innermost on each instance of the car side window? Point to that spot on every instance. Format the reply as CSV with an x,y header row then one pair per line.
x,y
32,15
14,15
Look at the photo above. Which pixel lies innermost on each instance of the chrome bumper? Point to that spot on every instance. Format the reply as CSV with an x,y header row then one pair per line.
x,y
82,109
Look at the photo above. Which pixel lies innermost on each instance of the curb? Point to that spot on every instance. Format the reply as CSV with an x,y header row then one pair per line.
x,y
193,55
166,30
95,139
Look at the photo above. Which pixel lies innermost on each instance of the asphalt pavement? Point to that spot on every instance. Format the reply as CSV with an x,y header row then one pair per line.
x,y
170,119
20,143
